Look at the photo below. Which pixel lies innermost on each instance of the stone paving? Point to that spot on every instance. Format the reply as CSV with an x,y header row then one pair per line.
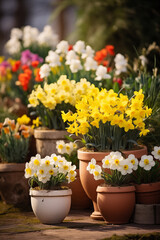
x,y
16,225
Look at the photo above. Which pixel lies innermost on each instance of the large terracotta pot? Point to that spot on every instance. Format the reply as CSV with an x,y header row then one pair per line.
x,y
148,193
87,179
51,206
14,186
46,140
116,204
79,198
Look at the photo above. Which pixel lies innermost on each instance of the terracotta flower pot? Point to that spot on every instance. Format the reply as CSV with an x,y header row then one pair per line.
x,y
88,182
148,193
46,140
116,204
51,206
14,187
79,198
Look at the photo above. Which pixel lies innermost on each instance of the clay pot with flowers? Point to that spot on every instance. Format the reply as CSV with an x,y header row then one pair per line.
x,y
108,122
48,179
147,178
47,103
116,196
14,148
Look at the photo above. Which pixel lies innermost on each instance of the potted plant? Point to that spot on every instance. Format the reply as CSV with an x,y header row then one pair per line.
x,y
79,199
108,122
47,103
147,178
116,196
50,196
14,148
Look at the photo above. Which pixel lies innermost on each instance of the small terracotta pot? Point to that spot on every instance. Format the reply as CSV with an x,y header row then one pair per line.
x,y
14,186
148,193
116,204
88,182
46,140
79,199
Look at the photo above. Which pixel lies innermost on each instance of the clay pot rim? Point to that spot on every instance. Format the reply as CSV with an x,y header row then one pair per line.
x,y
147,187
10,167
113,189
87,156
50,193
49,133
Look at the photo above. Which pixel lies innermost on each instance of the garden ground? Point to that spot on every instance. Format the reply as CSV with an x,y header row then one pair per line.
x,y
18,225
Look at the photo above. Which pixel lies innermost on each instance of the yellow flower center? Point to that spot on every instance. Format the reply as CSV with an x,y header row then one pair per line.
x,y
116,161
28,171
125,167
47,162
41,171
55,159
72,179
146,161
60,146
158,152
92,166
107,162
96,173
71,172
51,172
65,167
133,161
36,162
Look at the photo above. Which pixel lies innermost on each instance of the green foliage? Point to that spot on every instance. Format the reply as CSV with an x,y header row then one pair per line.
x,y
118,22
12,149
146,236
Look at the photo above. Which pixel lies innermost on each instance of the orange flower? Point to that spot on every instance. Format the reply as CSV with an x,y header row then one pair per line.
x,y
12,125
38,78
25,133
6,130
25,67
105,63
110,50
16,66
1,125
28,71
24,79
35,64
70,47
17,136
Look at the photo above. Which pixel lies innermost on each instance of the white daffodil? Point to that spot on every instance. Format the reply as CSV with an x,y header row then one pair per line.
x,y
79,47
60,146
30,35
35,161
62,47
133,160
90,64
144,60
91,165
106,161
16,33
53,59
97,172
75,65
13,46
42,173
146,162
52,171
156,152
126,167
47,161
101,73
120,64
64,166
48,37
71,55
89,52
29,172
44,70
116,158
69,148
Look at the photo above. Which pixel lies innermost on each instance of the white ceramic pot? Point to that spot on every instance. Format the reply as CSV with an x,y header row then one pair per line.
x,y
51,206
